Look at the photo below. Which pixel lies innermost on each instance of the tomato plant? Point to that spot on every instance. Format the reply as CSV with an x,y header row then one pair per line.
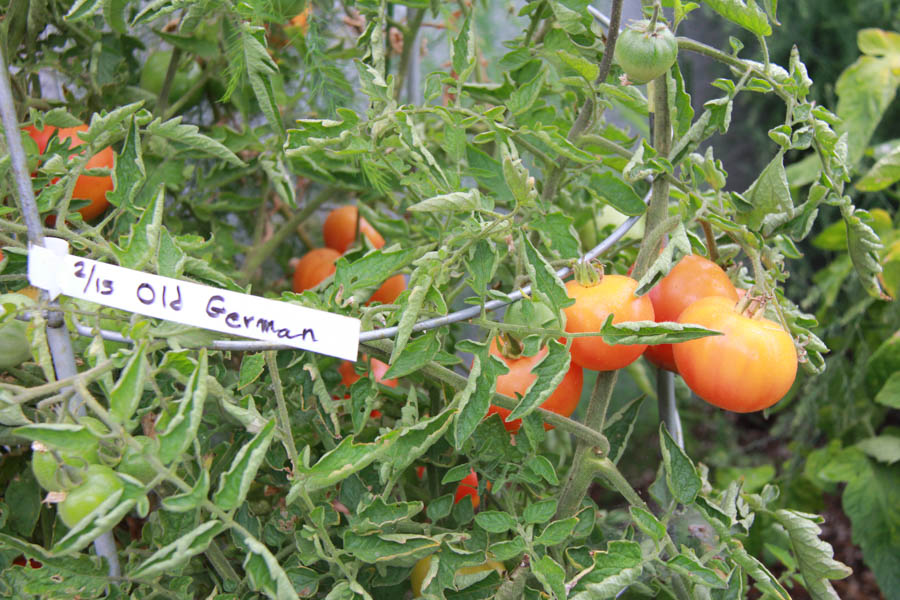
x,y
563,401
314,267
100,482
339,229
14,345
594,303
645,50
748,368
694,277
134,462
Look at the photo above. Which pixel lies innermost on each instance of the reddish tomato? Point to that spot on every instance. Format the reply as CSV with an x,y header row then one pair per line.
x,y
302,20
420,472
613,294
339,229
314,267
389,290
349,376
41,137
468,487
694,277
749,368
87,187
563,401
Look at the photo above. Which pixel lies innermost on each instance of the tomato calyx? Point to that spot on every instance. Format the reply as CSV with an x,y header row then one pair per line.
x,y
588,274
510,346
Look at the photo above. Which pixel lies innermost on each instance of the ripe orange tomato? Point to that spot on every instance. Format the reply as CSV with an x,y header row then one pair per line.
x,y
87,187
694,277
349,376
389,290
612,295
302,20
468,486
339,229
563,401
41,137
749,368
314,267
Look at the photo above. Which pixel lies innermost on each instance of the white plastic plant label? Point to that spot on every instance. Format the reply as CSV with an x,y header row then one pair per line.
x,y
53,269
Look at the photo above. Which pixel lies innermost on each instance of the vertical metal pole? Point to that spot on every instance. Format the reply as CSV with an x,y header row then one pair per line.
x,y
668,411
57,335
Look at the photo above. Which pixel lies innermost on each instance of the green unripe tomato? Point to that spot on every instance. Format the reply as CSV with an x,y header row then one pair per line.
x,y
153,75
134,462
643,54
50,475
14,346
100,482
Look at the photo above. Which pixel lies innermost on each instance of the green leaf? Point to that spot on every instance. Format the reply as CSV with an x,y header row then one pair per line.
x,y
889,394
766,582
582,66
140,247
540,512
190,137
266,574
475,399
107,515
481,266
618,194
189,501
338,464
462,54
619,426
415,440
557,532
525,95
235,482
648,523
814,555
651,332
179,423
681,474
126,394
884,173
557,232
745,13
129,173
378,514
252,366
448,203
419,286
571,15
864,247
883,448
64,437
495,521
695,572
769,195
551,575
402,550
82,9
174,555
545,284
550,371
416,355
439,507
541,465
614,569
509,549
59,576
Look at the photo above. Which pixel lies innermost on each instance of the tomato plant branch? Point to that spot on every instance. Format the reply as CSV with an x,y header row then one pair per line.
x,y
668,410
282,416
582,473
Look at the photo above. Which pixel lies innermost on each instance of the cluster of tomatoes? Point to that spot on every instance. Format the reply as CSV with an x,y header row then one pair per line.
x,y
750,367
91,188
82,480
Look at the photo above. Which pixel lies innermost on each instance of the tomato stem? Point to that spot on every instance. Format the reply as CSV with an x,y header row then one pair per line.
x,y
651,29
588,274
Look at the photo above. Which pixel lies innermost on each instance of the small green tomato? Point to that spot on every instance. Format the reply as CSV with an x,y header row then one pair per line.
x,y
646,52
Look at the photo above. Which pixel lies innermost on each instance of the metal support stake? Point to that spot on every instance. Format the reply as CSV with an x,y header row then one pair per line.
x,y
57,334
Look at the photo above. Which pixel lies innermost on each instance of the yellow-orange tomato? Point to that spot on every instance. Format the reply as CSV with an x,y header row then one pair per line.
x,y
339,229
88,187
389,290
694,277
314,267
349,376
563,401
612,295
302,20
420,570
749,368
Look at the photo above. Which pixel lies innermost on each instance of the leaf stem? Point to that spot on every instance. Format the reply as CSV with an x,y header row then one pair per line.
x,y
282,416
